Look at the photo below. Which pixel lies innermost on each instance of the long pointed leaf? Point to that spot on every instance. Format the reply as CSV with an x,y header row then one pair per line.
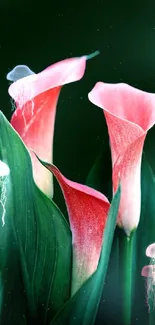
x,y
35,242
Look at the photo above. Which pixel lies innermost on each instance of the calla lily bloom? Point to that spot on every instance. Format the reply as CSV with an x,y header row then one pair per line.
x,y
129,114
88,211
36,97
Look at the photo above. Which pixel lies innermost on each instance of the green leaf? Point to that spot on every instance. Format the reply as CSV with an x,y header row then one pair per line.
x,y
82,308
35,242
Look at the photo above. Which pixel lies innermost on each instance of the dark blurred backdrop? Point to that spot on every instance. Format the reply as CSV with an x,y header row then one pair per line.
x,y
39,33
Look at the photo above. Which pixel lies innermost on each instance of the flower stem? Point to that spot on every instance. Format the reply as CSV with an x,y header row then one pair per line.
x,y
92,55
126,271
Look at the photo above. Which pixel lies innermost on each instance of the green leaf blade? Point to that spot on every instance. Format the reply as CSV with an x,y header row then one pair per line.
x,y
35,242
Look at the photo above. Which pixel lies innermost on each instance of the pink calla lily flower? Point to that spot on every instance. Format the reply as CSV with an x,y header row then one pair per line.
x,y
88,211
129,114
36,99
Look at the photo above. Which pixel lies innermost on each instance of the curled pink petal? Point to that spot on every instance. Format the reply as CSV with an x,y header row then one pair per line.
x,y
36,98
88,211
129,114
57,75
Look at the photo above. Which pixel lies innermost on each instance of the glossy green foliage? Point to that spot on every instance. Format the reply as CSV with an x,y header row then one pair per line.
x,y
35,242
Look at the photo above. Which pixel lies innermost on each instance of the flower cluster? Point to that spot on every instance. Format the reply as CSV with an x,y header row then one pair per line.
x,y
129,114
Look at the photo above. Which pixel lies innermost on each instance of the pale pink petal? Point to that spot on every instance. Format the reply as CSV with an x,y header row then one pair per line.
x,y
127,168
56,75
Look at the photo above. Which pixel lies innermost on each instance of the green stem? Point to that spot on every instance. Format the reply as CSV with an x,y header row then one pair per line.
x,y
92,55
126,271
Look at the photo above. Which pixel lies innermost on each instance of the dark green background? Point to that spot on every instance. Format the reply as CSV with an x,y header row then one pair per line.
x,y
39,33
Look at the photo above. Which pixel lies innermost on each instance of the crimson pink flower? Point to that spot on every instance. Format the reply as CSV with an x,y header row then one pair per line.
x,y
36,99
88,211
129,114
